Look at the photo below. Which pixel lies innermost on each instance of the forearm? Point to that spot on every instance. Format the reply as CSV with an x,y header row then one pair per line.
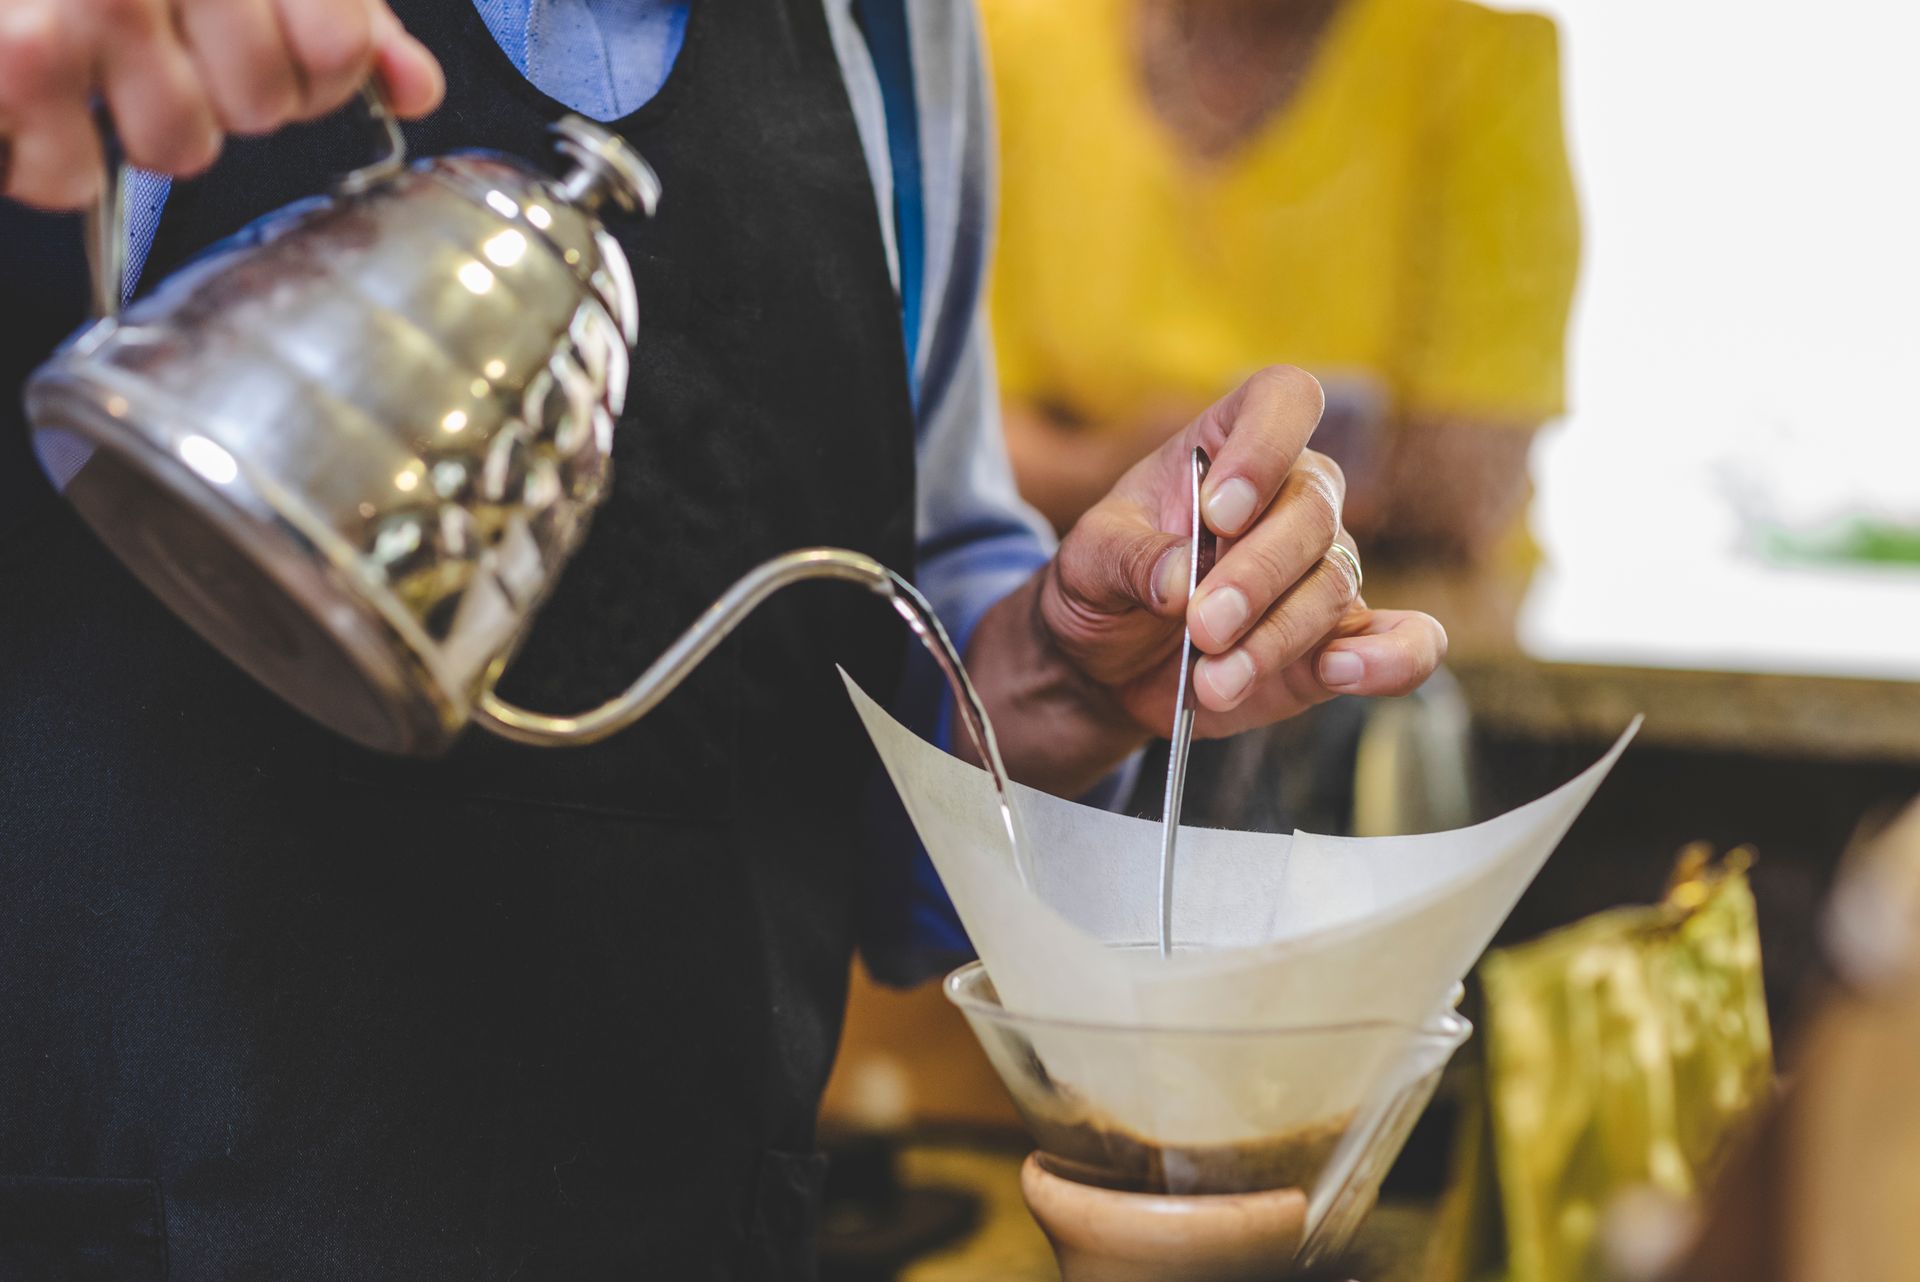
x,y
1058,730
1451,489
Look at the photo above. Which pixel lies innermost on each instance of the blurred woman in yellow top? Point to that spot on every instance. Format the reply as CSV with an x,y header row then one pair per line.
x,y
1375,190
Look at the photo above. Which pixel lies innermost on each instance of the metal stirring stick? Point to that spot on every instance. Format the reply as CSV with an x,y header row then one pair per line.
x,y
1200,554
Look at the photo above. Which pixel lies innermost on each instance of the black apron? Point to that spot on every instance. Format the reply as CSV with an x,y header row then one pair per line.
x,y
274,1008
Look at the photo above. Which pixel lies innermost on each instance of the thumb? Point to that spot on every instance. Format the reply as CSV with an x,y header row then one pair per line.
x,y
407,70
1115,561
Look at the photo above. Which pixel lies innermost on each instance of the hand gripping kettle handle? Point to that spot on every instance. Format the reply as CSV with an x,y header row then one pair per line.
x,y
106,222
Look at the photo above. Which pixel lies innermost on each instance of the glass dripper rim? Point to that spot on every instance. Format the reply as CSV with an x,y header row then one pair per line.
x,y
1447,1026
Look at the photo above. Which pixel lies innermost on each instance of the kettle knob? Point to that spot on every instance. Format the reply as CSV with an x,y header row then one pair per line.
x,y
606,168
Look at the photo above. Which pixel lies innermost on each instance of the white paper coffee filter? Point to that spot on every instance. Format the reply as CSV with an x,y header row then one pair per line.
x,y
1271,932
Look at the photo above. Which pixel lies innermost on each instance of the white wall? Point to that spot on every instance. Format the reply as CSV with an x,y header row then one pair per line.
x,y
1749,307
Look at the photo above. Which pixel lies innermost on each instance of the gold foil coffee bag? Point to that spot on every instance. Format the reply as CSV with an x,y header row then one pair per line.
x,y
1622,1053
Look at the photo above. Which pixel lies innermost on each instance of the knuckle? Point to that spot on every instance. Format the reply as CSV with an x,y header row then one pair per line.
x,y
1078,573
1348,583
264,105
30,52
1066,614
150,148
1136,565
121,16
1325,530
340,51
1325,525
1279,563
200,153
62,189
181,153
1284,636
1317,510
1329,468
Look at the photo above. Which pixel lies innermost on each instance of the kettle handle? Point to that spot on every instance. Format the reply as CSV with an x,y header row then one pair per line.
x,y
394,155
106,222
106,237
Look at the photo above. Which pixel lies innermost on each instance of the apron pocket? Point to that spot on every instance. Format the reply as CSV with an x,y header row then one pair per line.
x,y
81,1230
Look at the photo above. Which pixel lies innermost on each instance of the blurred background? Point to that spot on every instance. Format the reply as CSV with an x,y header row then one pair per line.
x,y
1615,304
1745,314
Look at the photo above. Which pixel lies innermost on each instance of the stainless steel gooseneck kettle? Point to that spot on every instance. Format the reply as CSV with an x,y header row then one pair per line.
x,y
355,444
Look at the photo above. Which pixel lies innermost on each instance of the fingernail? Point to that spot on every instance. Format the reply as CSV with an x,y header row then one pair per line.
x,y
1340,668
1224,611
1229,675
1231,506
1170,576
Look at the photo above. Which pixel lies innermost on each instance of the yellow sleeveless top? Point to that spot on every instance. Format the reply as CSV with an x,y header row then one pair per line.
x,y
1409,214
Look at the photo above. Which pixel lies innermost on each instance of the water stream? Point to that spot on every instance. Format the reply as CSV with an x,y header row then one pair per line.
x,y
911,606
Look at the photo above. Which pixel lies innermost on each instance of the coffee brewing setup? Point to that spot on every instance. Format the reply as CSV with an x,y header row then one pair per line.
x,y
355,445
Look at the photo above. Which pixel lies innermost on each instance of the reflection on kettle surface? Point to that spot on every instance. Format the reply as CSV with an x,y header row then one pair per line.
x,y
354,444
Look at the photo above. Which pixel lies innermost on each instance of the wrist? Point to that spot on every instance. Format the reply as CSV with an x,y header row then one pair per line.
x,y
1059,730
